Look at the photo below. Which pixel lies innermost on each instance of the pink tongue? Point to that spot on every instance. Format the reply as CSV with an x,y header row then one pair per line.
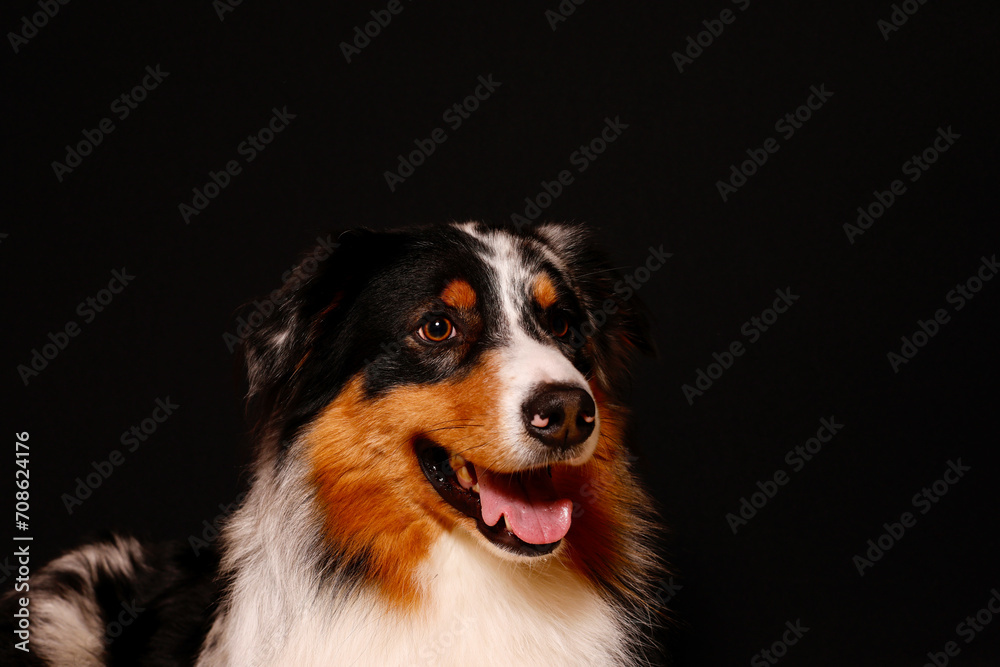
x,y
529,500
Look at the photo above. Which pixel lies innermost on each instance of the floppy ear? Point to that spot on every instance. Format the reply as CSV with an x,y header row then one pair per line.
x,y
617,326
284,327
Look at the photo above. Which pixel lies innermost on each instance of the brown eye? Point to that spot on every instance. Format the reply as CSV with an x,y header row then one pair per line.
x,y
559,325
436,329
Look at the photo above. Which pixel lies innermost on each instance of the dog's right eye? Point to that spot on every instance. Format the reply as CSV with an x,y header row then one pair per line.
x,y
559,324
436,329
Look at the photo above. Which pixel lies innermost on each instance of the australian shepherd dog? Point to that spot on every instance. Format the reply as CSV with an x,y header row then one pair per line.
x,y
441,477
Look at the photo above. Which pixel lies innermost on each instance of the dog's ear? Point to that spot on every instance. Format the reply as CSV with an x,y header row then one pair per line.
x,y
282,329
617,326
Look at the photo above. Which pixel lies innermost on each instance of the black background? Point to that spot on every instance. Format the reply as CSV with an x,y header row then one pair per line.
x,y
656,184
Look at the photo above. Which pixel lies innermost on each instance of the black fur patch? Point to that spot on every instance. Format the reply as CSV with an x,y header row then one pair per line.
x,y
359,312
156,617
356,314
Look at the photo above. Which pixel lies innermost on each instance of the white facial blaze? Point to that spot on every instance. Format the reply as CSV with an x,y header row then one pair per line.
x,y
527,362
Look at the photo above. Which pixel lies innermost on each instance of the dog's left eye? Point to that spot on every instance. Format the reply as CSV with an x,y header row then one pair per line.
x,y
559,324
436,329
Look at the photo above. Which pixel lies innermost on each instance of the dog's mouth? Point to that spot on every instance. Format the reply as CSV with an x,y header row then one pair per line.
x,y
519,512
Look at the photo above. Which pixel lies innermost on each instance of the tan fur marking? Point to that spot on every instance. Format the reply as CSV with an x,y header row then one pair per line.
x,y
378,507
608,508
376,502
459,294
544,291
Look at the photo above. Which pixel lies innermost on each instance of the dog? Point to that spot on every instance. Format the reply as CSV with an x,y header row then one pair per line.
x,y
441,476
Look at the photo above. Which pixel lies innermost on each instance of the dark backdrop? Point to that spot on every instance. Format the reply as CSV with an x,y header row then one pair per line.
x,y
880,94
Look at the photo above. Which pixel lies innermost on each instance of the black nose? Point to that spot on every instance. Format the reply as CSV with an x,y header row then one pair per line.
x,y
559,415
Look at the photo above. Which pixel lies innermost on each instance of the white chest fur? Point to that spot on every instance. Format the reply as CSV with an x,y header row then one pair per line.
x,y
477,610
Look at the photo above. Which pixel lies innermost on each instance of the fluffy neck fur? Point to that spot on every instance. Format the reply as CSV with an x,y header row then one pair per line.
x,y
476,607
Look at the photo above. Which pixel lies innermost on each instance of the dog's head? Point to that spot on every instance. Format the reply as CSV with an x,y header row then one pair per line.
x,y
457,377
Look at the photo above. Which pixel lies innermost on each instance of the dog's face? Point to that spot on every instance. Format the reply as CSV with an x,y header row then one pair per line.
x,y
451,378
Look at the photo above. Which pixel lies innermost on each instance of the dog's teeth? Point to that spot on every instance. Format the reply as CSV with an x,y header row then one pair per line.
x,y
475,487
464,478
456,462
506,523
